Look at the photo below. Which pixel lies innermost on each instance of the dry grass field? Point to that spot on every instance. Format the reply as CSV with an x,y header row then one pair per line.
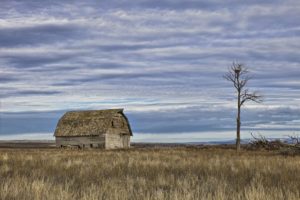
x,y
168,173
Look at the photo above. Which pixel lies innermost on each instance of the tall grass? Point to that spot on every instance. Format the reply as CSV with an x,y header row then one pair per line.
x,y
175,173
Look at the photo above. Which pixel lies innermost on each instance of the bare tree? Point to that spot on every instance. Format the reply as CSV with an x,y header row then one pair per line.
x,y
238,75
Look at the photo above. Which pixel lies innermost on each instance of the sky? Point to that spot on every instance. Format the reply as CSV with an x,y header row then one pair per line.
x,y
160,60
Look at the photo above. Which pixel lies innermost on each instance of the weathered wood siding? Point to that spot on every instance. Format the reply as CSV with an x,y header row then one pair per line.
x,y
107,141
126,141
113,141
83,141
117,138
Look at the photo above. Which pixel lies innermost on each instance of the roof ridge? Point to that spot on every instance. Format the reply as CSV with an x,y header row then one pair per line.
x,y
114,109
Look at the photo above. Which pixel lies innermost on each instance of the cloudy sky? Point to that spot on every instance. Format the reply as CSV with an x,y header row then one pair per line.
x,y
161,60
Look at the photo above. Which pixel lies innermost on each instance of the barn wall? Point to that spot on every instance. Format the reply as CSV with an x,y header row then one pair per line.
x,y
113,141
95,141
117,138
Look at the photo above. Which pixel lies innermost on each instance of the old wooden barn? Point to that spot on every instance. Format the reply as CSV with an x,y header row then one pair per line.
x,y
107,129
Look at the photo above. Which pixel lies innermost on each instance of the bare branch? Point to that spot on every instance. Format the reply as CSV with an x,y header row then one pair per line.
x,y
295,139
230,76
237,74
247,96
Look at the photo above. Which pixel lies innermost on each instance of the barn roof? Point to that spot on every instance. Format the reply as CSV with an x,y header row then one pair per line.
x,y
87,123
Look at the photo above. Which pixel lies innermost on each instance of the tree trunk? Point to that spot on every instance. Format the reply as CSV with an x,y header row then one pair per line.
x,y
238,129
238,119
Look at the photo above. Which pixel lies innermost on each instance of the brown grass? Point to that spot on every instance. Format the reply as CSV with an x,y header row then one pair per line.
x,y
174,173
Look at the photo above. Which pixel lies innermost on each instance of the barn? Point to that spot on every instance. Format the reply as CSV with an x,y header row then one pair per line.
x,y
109,129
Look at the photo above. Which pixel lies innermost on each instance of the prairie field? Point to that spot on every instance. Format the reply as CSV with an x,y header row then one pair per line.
x,y
150,173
